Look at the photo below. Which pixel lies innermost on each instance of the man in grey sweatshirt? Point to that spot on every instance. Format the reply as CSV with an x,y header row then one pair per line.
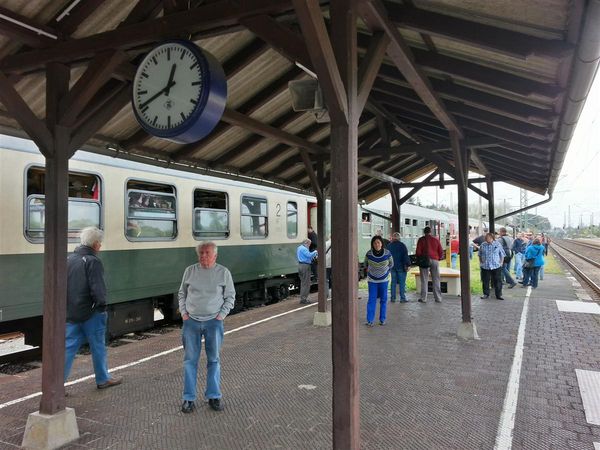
x,y
206,296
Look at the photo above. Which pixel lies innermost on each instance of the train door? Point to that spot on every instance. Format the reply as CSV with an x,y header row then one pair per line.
x,y
312,216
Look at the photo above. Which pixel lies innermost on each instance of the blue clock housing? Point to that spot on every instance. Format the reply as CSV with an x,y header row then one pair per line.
x,y
210,105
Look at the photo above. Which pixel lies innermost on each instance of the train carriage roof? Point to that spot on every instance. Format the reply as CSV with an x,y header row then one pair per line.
x,y
513,74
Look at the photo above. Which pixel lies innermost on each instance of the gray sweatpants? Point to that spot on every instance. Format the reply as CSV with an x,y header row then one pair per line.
x,y
304,274
434,268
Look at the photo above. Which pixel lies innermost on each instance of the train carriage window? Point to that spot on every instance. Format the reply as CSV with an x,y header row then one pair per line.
x,y
415,222
84,203
366,228
211,214
406,221
292,220
254,218
151,211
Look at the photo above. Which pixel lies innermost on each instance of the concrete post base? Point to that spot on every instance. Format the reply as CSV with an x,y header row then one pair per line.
x,y
468,330
322,319
50,431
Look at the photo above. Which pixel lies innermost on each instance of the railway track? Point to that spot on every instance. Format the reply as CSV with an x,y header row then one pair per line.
x,y
587,244
585,267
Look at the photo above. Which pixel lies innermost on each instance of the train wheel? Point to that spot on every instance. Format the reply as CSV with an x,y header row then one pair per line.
x,y
284,291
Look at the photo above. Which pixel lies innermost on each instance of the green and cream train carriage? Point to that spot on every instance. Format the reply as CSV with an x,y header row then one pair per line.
x,y
153,218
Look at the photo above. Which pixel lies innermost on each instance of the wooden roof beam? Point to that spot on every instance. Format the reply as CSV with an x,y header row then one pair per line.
x,y
281,39
417,188
308,133
98,72
235,118
499,40
479,163
25,30
257,101
369,67
323,58
35,128
248,144
202,19
377,108
375,16
378,175
121,98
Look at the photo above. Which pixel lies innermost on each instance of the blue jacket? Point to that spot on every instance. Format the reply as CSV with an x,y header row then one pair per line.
x,y
400,255
535,252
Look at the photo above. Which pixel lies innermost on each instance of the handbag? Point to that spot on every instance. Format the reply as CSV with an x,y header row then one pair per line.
x,y
423,261
528,264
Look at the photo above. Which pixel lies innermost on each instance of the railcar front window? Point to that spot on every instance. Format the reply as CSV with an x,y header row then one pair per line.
x,y
151,211
292,220
84,207
254,218
211,215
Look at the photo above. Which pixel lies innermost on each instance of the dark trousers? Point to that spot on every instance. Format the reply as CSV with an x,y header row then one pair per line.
x,y
494,277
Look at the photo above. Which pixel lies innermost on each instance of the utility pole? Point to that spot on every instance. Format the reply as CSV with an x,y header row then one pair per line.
x,y
569,216
523,204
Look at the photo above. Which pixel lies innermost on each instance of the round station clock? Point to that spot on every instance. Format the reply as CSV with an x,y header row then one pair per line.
x,y
179,92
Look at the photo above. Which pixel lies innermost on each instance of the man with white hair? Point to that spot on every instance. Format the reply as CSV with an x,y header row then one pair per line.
x,y
206,296
86,307
305,259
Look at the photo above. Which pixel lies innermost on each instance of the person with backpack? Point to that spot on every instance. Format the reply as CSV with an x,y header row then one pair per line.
x,y
507,244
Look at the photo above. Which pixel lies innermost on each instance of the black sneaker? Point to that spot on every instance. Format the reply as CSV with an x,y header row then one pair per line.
x,y
215,404
485,296
500,298
187,406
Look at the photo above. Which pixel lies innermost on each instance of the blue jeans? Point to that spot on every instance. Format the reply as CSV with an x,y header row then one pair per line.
x,y
453,258
534,272
541,272
92,331
398,277
519,258
377,290
192,333
506,273
470,252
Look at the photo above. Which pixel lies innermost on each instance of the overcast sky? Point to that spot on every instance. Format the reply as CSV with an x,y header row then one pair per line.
x,y
578,185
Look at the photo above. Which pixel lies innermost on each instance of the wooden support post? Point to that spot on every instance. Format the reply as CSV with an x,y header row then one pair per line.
x,y
321,238
394,192
461,159
55,246
344,219
491,213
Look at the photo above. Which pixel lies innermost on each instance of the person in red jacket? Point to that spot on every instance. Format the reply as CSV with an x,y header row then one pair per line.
x,y
429,246
454,249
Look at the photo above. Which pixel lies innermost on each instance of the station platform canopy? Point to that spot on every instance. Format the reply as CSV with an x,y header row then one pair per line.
x,y
510,77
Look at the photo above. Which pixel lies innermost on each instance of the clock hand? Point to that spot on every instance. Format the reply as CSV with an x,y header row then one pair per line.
x,y
158,94
170,83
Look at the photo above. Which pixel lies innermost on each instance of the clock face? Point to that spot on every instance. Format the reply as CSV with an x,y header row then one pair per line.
x,y
168,87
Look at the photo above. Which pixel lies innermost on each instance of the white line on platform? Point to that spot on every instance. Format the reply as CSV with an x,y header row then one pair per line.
x,y
589,388
509,410
577,307
157,355
596,445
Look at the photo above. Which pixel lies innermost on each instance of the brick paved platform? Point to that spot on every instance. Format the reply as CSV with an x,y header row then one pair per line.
x,y
421,387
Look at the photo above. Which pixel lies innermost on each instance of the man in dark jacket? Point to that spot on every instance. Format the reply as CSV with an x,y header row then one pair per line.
x,y
401,265
86,306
